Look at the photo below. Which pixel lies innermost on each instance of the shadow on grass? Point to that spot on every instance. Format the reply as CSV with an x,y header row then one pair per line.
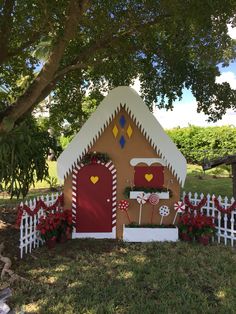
x,y
105,276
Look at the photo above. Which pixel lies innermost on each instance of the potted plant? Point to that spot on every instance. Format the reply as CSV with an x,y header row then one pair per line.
x,y
204,228
196,226
185,227
65,226
132,192
48,228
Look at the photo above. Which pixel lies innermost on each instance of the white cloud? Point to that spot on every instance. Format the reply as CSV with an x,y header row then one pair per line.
x,y
184,114
232,31
229,77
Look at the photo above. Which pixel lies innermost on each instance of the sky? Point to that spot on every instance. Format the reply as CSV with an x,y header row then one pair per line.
x,y
185,111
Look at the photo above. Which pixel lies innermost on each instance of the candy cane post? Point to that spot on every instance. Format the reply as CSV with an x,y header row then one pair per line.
x,y
164,211
179,207
142,199
153,200
123,206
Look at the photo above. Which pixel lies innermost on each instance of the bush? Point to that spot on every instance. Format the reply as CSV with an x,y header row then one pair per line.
x,y
200,143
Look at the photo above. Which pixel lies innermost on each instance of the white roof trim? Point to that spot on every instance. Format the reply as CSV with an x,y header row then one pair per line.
x,y
143,118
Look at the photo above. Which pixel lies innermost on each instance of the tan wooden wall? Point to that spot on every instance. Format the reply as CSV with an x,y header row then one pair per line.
x,y
136,147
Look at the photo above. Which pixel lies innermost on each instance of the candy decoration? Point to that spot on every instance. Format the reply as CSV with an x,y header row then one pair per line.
x,y
123,206
164,211
142,199
179,207
94,179
153,200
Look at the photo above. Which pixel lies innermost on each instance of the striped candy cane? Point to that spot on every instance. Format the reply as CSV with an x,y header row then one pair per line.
x,y
142,199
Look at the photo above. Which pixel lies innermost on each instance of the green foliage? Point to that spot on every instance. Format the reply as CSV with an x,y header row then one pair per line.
x,y
71,108
23,154
53,183
169,45
199,143
65,140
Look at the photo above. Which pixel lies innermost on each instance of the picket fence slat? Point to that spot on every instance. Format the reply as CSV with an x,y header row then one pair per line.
x,y
29,236
225,224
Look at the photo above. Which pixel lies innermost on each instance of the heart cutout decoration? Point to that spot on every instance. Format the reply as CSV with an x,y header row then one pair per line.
x,y
94,179
148,176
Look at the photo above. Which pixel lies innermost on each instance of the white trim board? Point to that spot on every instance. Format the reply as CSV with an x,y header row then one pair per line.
x,y
95,235
140,114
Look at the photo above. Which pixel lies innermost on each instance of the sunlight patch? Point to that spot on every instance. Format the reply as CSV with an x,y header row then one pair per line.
x,y
140,259
75,284
221,294
126,275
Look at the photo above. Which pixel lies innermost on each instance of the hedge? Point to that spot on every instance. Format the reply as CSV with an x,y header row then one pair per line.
x,y
199,143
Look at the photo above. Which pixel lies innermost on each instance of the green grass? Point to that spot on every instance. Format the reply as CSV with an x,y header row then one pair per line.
x,y
105,276
215,181
52,173
40,188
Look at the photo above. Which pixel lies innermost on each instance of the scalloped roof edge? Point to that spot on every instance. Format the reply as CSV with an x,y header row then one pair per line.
x,y
139,112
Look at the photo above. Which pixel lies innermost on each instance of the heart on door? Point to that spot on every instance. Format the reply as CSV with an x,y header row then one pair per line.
x,y
148,176
94,179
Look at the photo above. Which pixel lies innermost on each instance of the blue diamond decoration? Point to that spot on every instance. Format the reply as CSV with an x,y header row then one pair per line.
x,y
122,141
122,121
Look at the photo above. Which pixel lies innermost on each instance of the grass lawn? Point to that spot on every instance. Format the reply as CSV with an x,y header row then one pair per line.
x,y
106,276
215,181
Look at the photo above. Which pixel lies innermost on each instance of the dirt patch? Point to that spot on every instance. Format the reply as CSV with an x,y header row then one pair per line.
x,y
8,232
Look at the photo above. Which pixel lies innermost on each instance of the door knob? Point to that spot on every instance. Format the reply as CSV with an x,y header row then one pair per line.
x,y
108,200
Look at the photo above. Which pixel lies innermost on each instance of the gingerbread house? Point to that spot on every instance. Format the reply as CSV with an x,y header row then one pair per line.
x,y
121,150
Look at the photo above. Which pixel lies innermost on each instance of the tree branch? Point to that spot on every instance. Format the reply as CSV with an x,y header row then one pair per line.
x,y
29,98
81,62
103,43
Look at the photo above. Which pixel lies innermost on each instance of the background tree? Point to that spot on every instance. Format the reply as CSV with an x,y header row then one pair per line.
x,y
169,45
78,49
23,157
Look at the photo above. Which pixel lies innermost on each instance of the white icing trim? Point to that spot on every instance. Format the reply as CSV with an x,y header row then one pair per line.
x,y
144,119
147,161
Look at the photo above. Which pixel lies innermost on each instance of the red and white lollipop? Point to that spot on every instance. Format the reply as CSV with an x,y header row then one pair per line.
x,y
123,206
164,211
179,207
142,199
153,200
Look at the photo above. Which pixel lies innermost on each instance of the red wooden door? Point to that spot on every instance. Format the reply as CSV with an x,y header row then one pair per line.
x,y
94,199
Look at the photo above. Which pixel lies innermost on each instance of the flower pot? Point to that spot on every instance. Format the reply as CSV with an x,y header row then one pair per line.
x,y
184,236
205,240
162,195
51,243
150,234
62,238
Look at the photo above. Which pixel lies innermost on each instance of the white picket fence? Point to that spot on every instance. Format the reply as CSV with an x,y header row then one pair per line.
x,y
29,236
225,224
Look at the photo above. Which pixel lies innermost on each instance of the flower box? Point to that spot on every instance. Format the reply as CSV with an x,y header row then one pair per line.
x,y
150,234
162,195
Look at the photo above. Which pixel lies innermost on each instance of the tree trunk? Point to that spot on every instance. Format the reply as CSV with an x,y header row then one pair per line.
x,y
29,99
